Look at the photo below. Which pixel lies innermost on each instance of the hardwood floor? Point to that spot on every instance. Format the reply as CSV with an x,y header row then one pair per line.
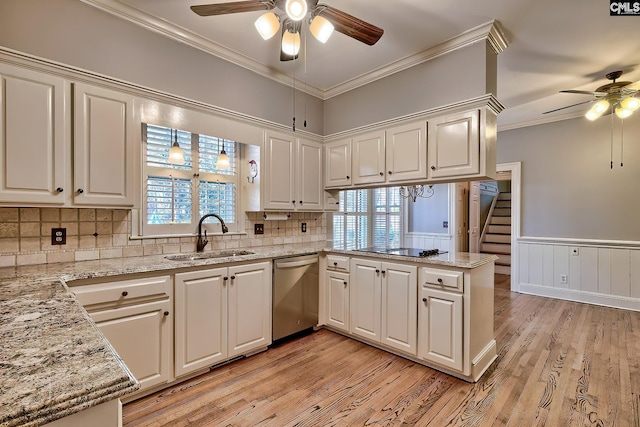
x,y
559,364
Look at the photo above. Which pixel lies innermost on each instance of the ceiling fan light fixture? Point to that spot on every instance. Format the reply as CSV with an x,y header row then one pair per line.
x,y
321,28
623,113
296,9
592,115
601,106
291,43
267,25
631,103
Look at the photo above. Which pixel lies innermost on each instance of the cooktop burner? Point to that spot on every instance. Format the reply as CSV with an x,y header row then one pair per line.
x,y
411,252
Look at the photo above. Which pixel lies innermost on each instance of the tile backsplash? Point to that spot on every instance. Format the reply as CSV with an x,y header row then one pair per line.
x,y
25,235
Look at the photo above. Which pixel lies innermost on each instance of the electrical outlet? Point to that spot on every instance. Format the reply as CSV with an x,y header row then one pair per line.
x,y
258,228
304,227
58,236
575,251
563,279
445,224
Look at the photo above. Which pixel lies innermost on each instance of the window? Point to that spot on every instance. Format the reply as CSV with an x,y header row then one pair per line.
x,y
176,196
368,218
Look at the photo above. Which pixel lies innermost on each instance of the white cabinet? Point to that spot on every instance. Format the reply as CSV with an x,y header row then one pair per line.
x,y
440,325
106,129
454,145
368,163
337,289
406,152
337,164
201,319
221,313
292,174
249,308
33,137
136,316
383,300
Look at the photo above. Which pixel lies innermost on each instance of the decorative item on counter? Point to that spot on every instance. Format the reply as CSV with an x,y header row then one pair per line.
x,y
253,171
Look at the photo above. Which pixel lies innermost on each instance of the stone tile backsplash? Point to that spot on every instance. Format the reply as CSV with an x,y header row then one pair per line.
x,y
25,235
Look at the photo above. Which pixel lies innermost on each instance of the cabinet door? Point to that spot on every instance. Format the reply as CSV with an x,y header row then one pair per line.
x,y
337,170
279,168
440,328
201,319
406,150
33,137
399,302
368,158
106,147
365,298
337,300
309,181
249,307
141,335
454,145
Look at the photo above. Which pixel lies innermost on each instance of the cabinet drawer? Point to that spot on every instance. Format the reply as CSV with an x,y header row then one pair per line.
x,y
444,279
124,292
336,262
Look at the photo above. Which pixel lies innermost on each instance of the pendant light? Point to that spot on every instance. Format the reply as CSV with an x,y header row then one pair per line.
x,y
321,29
291,42
176,155
223,161
267,25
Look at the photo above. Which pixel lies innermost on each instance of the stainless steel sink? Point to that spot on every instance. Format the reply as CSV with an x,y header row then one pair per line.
x,y
207,255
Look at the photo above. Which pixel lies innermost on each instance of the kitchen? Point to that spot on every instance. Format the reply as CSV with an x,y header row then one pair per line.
x,y
80,13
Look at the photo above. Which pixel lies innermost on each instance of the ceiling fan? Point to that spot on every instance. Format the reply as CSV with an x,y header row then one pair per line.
x,y
322,19
619,97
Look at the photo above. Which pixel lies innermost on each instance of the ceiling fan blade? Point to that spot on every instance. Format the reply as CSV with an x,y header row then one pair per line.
x,y
568,106
633,86
350,25
232,7
583,92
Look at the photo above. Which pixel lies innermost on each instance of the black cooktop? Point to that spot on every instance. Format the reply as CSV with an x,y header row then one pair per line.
x,y
410,252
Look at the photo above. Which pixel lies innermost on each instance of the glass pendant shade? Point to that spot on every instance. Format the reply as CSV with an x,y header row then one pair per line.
x,y
631,103
223,161
267,25
321,29
592,115
176,155
296,9
291,43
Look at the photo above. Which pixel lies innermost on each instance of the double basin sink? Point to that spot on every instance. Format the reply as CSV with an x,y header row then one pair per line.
x,y
207,255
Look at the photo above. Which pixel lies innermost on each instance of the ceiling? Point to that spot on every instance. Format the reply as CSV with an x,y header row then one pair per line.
x,y
552,45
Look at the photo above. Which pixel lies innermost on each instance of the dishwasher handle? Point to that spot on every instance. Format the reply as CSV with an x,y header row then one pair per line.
x,y
295,263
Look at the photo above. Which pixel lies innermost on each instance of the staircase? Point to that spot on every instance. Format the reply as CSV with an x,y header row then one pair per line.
x,y
497,236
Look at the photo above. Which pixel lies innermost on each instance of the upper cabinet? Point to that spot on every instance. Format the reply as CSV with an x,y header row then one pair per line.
x,y
105,131
368,161
337,164
292,174
43,165
458,146
33,137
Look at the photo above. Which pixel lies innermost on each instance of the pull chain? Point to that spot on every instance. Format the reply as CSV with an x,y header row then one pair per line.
x,y
621,143
305,80
611,148
293,61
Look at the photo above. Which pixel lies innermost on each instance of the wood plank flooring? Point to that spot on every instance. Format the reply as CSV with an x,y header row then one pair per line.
x,y
559,364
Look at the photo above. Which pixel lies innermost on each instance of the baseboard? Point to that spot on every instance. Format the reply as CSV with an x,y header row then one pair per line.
x,y
614,301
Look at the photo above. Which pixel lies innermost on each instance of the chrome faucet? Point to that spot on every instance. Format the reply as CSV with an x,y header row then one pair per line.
x,y
202,242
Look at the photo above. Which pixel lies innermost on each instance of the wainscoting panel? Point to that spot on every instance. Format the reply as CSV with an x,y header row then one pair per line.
x,y
578,271
427,241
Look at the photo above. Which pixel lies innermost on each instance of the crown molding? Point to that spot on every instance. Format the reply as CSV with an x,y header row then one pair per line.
x,y
541,121
491,31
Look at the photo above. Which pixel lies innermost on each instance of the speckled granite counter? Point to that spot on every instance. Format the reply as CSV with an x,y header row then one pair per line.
x,y
54,361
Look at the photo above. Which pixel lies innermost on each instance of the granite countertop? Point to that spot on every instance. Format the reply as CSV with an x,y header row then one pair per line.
x,y
54,361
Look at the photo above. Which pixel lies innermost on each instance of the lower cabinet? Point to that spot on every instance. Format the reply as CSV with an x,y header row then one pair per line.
x,y
221,313
440,326
337,288
383,303
136,316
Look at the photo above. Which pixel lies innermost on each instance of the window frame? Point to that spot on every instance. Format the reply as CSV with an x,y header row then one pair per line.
x,y
195,176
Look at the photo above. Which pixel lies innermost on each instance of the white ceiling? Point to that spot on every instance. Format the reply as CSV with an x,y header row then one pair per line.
x,y
553,45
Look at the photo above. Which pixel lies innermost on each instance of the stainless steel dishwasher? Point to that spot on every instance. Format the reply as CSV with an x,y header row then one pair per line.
x,y
295,295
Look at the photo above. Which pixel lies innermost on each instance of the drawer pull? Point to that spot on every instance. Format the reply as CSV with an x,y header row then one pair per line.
x,y
377,271
439,280
233,277
383,272
166,313
347,176
345,283
125,293
433,168
59,189
335,264
225,278
80,191
424,300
